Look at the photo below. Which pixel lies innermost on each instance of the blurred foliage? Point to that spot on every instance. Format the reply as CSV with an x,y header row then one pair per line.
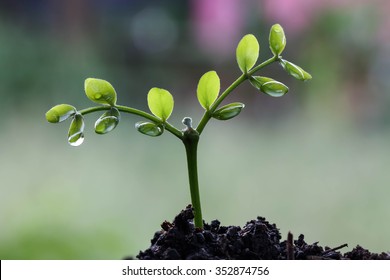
x,y
312,160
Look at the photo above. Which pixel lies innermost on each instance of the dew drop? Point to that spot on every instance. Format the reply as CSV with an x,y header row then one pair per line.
x,y
148,128
76,139
274,88
106,124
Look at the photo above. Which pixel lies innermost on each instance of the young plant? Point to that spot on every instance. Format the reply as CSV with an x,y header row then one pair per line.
x,y
161,103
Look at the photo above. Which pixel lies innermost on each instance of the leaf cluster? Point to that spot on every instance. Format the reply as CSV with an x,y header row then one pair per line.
x,y
161,103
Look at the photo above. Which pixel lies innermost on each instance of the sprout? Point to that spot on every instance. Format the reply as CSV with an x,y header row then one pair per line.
x,y
161,103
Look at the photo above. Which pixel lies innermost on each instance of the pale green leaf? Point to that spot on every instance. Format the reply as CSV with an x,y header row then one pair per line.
x,y
100,91
277,39
247,52
60,113
160,103
208,89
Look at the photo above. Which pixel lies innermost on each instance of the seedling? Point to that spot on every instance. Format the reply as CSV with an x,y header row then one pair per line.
x,y
160,103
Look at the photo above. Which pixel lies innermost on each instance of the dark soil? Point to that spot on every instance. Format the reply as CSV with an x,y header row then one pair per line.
x,y
257,240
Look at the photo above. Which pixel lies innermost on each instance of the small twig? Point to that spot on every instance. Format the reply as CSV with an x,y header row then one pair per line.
x,y
290,246
335,248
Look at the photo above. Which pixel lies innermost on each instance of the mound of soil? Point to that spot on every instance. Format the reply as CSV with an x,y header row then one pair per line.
x,y
257,240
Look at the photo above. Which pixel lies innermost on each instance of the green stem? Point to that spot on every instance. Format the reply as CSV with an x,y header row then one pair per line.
x,y
263,64
137,112
190,140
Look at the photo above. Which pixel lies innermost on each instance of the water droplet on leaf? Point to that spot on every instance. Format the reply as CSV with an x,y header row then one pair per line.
x,y
295,71
228,111
269,86
76,139
108,121
258,81
100,91
105,125
149,128
274,88
60,113
76,130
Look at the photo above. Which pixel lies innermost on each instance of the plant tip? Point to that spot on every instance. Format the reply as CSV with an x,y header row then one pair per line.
x,y
187,121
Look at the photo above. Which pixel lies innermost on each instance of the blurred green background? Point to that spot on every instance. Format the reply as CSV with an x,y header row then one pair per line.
x,y
315,161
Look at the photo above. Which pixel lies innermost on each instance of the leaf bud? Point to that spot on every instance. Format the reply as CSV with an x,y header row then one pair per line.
x,y
228,111
60,113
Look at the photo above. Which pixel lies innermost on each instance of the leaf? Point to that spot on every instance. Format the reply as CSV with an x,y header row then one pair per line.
x,y
247,52
160,103
100,91
277,39
60,113
228,111
274,88
76,130
258,81
149,128
269,86
208,89
295,71
108,121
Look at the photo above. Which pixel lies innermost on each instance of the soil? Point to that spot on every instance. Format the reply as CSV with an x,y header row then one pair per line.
x,y
257,240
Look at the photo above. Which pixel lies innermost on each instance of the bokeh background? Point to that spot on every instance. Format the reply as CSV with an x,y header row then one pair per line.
x,y
316,161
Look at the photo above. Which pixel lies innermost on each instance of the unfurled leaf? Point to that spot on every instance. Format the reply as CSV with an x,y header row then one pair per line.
x,y
247,52
60,113
100,91
149,128
108,121
208,89
269,86
295,71
277,39
228,111
76,130
160,103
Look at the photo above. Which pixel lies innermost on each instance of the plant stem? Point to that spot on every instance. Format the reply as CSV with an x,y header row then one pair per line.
x,y
190,140
137,112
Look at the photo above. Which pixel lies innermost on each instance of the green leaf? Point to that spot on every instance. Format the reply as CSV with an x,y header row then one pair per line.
x,y
160,103
100,91
228,111
247,52
274,88
149,128
76,130
108,121
277,39
258,81
208,89
295,71
269,86
60,113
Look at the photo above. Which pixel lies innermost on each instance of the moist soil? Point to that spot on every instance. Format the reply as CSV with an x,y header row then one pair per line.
x,y
257,240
